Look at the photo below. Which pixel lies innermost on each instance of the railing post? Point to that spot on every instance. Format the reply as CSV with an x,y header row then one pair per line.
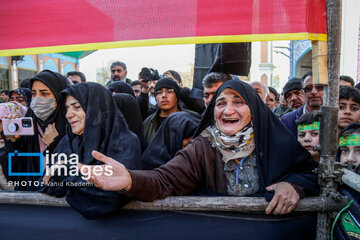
x,y
329,112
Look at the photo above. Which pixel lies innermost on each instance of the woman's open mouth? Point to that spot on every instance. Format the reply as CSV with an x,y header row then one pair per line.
x,y
229,120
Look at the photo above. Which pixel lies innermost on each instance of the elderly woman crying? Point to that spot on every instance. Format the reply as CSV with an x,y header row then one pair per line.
x,y
240,149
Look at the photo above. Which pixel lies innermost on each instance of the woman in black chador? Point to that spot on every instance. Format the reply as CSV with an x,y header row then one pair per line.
x,y
95,124
239,149
49,122
129,107
121,87
173,135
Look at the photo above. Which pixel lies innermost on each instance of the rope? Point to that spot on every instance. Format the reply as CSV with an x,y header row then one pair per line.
x,y
337,217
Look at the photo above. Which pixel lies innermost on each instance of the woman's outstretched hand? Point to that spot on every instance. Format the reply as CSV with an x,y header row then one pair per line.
x,y
285,199
111,176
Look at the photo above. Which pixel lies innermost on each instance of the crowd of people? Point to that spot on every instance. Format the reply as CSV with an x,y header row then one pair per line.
x,y
240,139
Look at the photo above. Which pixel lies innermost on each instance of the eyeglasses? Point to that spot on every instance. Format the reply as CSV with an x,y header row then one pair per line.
x,y
309,88
167,91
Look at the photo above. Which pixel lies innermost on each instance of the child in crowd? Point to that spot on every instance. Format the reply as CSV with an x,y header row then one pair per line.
x,y
348,224
349,106
349,145
308,133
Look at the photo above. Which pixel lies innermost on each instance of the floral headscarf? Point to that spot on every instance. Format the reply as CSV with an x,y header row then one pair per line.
x,y
12,108
25,93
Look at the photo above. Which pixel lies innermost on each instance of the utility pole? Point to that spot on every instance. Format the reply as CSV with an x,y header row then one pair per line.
x,y
329,115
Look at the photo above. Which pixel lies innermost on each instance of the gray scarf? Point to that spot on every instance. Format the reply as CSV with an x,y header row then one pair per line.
x,y
240,145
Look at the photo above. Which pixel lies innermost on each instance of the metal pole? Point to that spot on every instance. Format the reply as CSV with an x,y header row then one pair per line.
x,y
351,179
329,111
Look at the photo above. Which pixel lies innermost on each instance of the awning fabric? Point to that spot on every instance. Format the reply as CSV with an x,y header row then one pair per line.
x,y
42,26
45,222
78,55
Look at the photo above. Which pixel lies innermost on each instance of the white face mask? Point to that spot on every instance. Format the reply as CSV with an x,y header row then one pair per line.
x,y
43,107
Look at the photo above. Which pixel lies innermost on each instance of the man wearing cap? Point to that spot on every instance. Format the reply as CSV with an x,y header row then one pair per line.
x,y
313,100
167,93
293,95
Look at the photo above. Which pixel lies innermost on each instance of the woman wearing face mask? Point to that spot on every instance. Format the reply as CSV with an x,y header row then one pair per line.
x,y
49,127
95,123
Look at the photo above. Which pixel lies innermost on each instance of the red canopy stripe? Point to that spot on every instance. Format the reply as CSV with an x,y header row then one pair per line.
x,y
40,26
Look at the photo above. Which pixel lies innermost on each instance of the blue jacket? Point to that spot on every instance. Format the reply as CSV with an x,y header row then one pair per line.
x,y
289,119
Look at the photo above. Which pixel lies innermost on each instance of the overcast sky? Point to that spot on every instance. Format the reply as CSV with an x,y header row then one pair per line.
x,y
162,58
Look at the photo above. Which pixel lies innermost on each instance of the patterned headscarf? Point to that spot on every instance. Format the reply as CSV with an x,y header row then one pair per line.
x,y
12,108
25,93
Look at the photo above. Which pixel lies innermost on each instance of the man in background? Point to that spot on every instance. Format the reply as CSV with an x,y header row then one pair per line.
x,y
5,95
271,99
261,90
118,73
314,94
211,82
76,77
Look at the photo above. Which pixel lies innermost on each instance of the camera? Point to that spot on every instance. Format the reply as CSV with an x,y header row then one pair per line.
x,y
149,74
18,126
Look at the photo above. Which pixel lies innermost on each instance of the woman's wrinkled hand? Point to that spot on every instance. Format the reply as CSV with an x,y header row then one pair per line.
x,y
50,134
285,198
111,176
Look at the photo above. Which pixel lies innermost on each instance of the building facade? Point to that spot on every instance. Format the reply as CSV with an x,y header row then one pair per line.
x,y
15,69
300,51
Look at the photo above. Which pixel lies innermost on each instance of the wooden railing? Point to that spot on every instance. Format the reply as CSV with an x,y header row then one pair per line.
x,y
188,203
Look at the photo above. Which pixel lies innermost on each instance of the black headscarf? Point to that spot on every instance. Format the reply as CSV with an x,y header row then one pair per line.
x,y
56,82
25,93
279,155
25,83
129,107
30,144
121,87
168,139
105,131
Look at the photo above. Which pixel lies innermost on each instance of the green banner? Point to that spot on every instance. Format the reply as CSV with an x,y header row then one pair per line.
x,y
313,126
349,140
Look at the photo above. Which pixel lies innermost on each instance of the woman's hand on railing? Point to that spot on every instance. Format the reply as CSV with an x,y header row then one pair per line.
x,y
111,176
285,198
